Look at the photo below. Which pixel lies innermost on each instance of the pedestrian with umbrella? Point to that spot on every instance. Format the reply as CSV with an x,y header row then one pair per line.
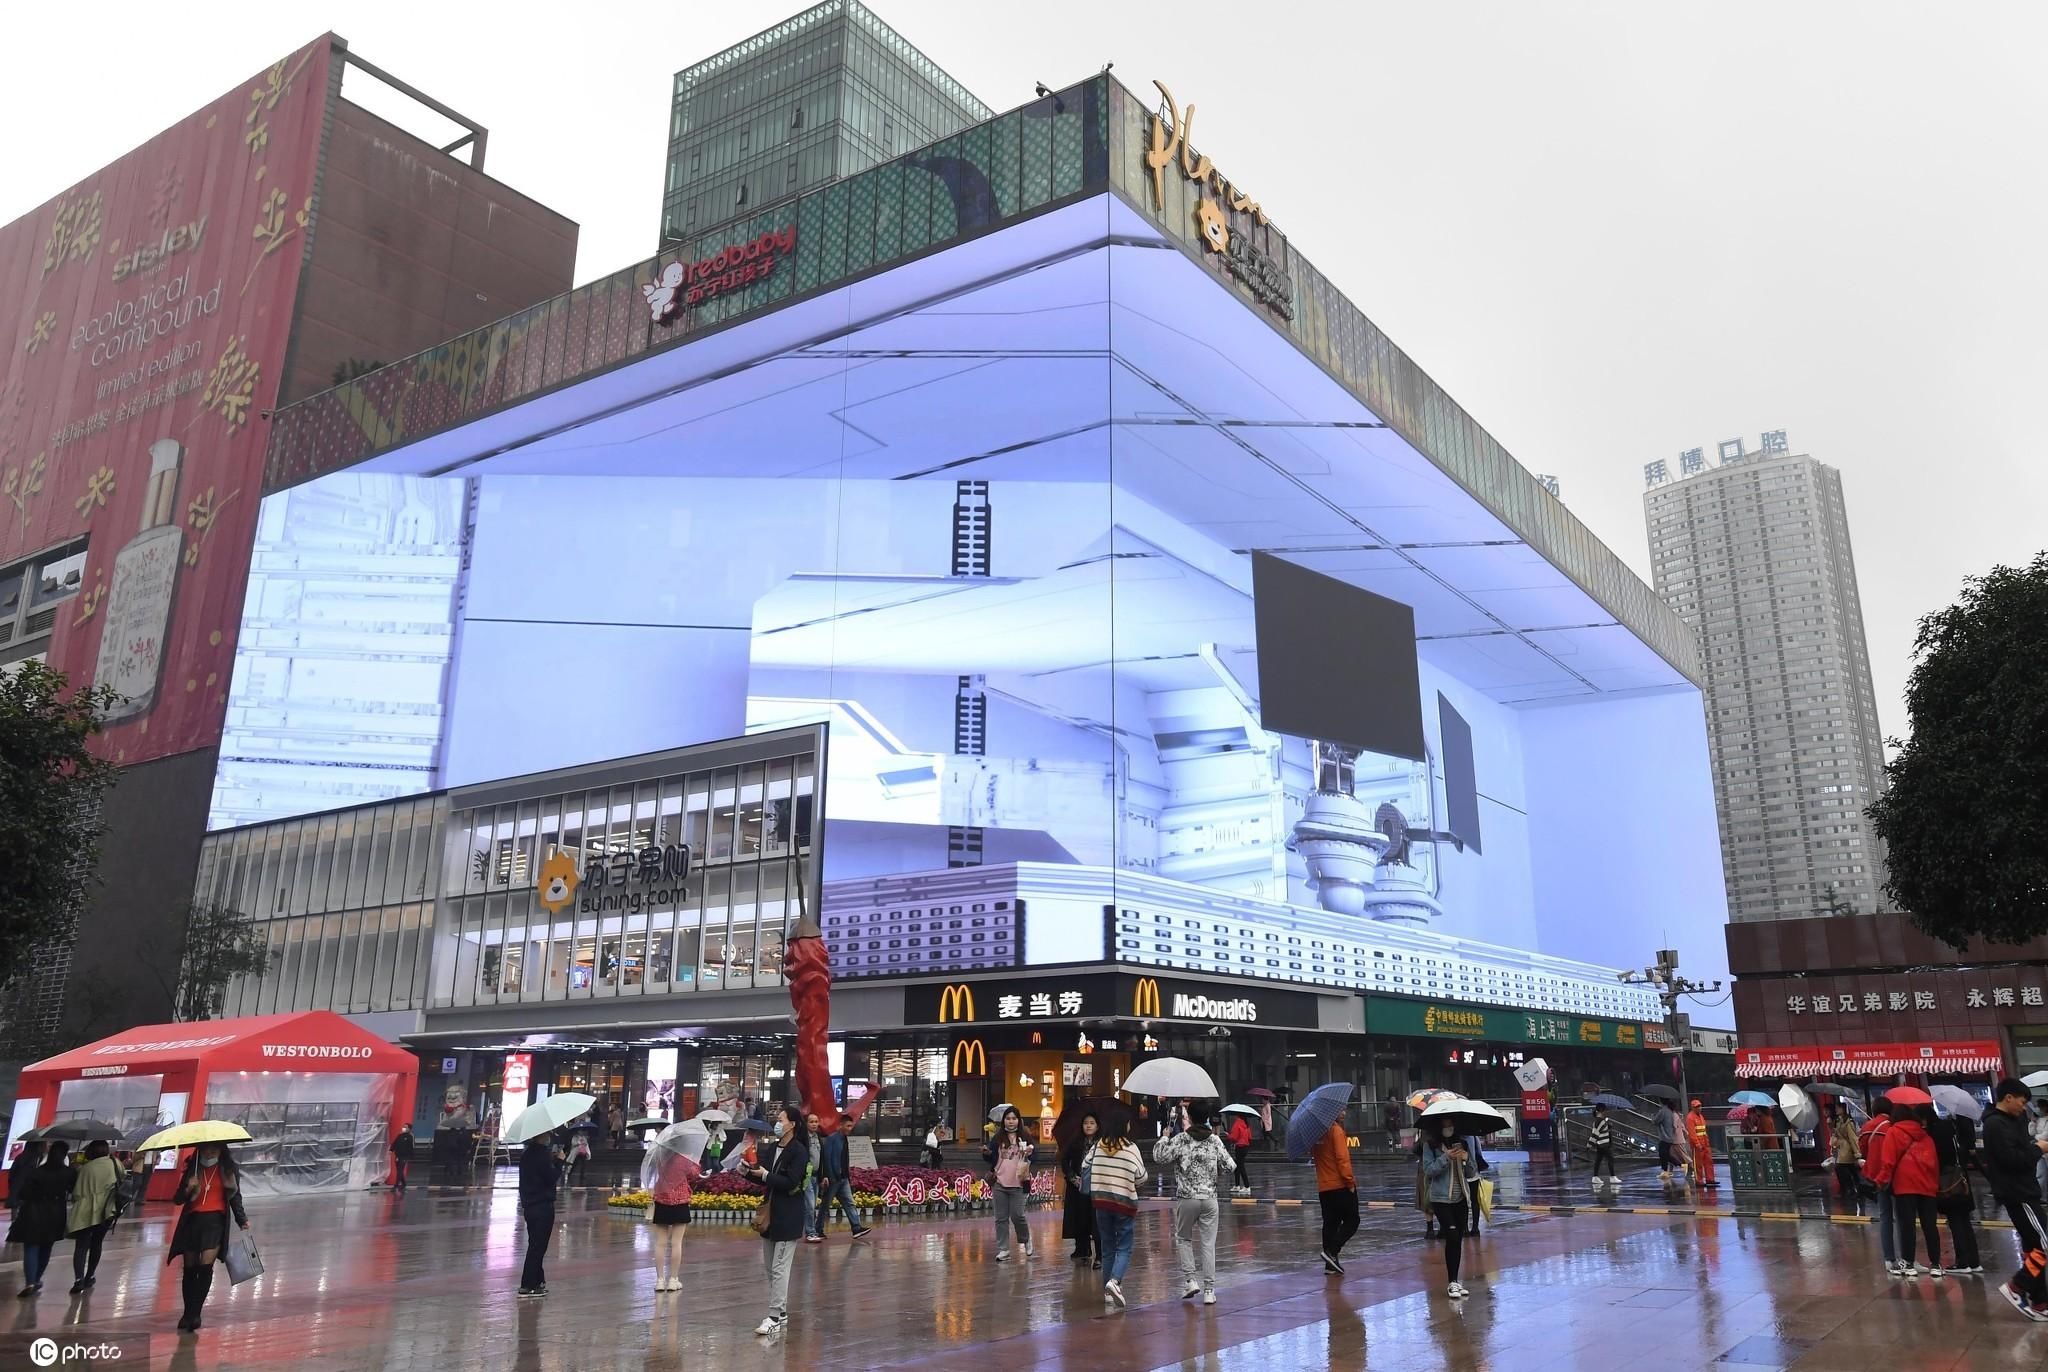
x,y
540,1177
210,1192
95,1204
1448,1166
1317,1131
1601,1136
25,1162
668,1172
1953,1199
1915,1178
1670,1131
40,1213
1240,1141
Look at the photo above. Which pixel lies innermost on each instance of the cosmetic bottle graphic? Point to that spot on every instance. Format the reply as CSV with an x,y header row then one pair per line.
x,y
138,611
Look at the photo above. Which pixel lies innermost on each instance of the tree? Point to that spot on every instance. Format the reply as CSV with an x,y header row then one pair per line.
x,y
50,826
351,368
1966,818
221,943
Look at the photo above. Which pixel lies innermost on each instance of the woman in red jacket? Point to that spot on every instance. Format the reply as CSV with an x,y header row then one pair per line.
x,y
1240,1145
1915,1178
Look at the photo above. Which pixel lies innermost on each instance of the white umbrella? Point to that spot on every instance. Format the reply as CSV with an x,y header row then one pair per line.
x,y
714,1116
545,1116
1957,1101
676,1143
1170,1077
1240,1110
1533,1075
996,1112
2036,1079
1471,1116
1800,1111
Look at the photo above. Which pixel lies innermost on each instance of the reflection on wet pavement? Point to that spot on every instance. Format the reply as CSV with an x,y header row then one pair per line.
x,y
427,1281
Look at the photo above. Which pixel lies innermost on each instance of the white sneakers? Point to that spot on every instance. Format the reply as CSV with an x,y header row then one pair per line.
x,y
1113,1293
1003,1255
1456,1292
770,1325
1191,1290
1208,1298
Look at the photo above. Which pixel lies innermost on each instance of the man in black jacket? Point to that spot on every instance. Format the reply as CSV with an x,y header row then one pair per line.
x,y
2009,1157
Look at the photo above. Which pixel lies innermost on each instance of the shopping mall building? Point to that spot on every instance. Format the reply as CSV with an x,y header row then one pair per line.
x,y
1017,555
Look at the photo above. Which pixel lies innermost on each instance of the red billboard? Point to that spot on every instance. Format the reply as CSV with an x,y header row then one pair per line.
x,y
145,313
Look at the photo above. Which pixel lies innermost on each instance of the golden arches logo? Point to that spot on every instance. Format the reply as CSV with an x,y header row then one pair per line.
x,y
970,1058
1146,999
956,1002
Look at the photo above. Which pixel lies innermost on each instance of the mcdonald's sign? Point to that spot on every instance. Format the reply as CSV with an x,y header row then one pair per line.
x,y
970,1059
956,1002
1145,1001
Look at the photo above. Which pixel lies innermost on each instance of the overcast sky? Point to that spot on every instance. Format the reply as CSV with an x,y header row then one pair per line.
x,y
1611,231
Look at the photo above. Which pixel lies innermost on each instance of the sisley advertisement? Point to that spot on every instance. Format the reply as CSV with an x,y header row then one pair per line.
x,y
146,312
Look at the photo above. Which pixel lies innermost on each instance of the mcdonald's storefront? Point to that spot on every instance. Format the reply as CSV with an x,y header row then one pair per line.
x,y
1036,1039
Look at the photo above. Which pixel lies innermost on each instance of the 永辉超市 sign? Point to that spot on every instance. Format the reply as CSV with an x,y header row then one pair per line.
x,y
1441,1020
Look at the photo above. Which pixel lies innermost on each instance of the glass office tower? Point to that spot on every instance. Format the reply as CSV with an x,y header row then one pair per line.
x,y
822,95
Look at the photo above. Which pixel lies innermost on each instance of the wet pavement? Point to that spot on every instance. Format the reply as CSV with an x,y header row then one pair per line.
x,y
427,1281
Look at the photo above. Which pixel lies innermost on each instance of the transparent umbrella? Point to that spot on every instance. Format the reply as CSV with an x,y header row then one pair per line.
x,y
677,1154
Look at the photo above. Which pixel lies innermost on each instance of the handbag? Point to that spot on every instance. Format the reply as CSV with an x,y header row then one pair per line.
x,y
242,1258
1482,1191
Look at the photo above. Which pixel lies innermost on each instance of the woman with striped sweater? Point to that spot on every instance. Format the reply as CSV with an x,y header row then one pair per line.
x,y
1115,1172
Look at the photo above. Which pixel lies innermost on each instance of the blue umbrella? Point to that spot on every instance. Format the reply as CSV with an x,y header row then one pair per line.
x,y
1613,1102
1752,1098
1312,1119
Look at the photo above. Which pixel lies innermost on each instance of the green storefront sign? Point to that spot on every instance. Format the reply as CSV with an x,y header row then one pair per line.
x,y
1439,1020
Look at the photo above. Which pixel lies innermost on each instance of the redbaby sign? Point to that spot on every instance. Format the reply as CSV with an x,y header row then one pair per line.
x,y
144,318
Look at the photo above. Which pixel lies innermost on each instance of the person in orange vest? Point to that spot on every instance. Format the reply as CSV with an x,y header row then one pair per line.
x,y
1702,1151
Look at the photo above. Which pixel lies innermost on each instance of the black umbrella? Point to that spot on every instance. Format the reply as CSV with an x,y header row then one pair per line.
x,y
140,1132
81,1131
32,1135
1661,1092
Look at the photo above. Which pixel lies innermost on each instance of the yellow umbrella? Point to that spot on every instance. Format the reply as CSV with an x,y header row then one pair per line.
x,y
189,1135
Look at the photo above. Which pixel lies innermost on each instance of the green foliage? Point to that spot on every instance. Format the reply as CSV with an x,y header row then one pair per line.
x,y
1965,822
50,827
221,943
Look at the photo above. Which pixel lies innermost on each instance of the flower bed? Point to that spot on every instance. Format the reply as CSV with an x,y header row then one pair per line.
x,y
887,1190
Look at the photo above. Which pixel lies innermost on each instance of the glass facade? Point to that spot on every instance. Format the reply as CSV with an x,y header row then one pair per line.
x,y
684,882
668,881
822,95
343,901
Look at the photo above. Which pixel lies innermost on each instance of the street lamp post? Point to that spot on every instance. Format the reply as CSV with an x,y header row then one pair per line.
x,y
1670,986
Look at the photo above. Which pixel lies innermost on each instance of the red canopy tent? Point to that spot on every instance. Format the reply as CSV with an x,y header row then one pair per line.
x,y
309,1087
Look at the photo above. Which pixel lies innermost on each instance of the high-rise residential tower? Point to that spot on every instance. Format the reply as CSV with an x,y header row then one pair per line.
x,y
822,95
1753,553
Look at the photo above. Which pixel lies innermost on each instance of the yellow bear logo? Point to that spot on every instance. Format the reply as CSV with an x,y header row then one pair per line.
x,y
1213,227
558,882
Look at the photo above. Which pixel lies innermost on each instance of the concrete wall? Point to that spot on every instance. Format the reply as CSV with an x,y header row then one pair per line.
x,y
413,247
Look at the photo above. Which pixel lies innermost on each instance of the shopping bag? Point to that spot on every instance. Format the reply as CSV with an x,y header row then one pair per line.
x,y
241,1256
1482,1191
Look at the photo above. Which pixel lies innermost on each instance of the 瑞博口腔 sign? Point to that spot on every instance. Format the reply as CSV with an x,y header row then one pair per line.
x,y
1434,1019
1242,259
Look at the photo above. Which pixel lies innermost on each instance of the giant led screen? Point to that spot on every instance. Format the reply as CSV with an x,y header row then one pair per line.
x,y
1100,682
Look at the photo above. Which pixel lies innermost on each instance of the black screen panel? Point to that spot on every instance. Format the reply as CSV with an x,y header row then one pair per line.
x,y
1336,663
1461,788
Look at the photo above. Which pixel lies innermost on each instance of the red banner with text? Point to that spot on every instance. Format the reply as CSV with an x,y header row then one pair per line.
x,y
145,313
